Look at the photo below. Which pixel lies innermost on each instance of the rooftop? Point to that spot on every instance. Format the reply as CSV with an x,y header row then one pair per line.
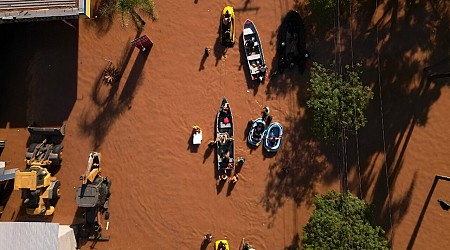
x,y
26,10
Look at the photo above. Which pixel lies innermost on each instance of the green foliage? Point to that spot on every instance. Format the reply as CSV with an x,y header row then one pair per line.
x,y
342,221
129,7
325,10
337,101
322,6
107,9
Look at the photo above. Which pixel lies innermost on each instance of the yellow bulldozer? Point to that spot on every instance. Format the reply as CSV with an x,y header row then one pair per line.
x,y
40,191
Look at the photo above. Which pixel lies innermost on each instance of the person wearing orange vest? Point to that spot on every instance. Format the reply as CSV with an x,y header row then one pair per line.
x,y
234,179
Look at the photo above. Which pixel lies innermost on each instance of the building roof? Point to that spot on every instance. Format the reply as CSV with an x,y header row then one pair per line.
x,y
6,174
27,10
36,236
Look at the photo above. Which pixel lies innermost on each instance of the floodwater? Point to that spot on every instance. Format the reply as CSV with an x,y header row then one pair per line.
x,y
164,192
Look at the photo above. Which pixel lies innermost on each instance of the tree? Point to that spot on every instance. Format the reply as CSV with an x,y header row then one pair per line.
x,y
128,7
337,102
325,10
342,221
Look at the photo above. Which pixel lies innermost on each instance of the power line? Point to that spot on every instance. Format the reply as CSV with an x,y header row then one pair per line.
x,y
356,130
382,129
339,64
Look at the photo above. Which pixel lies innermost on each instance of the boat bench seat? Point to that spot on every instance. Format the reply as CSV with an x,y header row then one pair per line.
x,y
254,57
248,31
254,70
223,125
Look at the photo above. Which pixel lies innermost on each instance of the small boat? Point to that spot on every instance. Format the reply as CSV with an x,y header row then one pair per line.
x,y
254,52
221,245
227,27
272,140
196,135
291,49
256,132
224,137
246,245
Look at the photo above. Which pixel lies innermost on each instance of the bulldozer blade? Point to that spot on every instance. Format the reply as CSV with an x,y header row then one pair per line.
x,y
56,131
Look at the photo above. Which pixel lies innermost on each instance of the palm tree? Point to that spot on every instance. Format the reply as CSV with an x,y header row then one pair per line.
x,y
129,7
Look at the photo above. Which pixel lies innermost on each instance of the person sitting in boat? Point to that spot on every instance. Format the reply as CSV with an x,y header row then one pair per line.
x,y
225,108
196,129
222,139
249,44
262,70
246,246
225,156
259,129
227,18
223,177
221,246
274,139
265,112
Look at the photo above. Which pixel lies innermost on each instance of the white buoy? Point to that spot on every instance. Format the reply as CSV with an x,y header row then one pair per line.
x,y
107,225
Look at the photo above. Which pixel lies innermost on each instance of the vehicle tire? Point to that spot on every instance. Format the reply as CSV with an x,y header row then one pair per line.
x,y
56,155
31,147
55,192
58,149
107,215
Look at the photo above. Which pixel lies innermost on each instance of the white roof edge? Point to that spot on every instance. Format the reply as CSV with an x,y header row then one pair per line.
x,y
41,13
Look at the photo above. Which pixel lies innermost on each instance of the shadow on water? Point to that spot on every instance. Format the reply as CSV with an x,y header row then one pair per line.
x,y
40,72
103,14
267,154
193,148
410,85
230,188
295,244
301,164
437,178
22,216
219,186
207,153
202,62
219,50
76,225
204,245
282,80
97,122
247,7
6,188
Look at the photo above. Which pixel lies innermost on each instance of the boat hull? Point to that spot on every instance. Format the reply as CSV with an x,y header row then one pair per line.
x,y
225,246
227,31
291,47
254,52
254,137
224,125
273,137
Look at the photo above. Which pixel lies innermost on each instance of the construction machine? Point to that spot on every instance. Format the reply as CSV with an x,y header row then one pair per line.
x,y
40,191
46,148
93,197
